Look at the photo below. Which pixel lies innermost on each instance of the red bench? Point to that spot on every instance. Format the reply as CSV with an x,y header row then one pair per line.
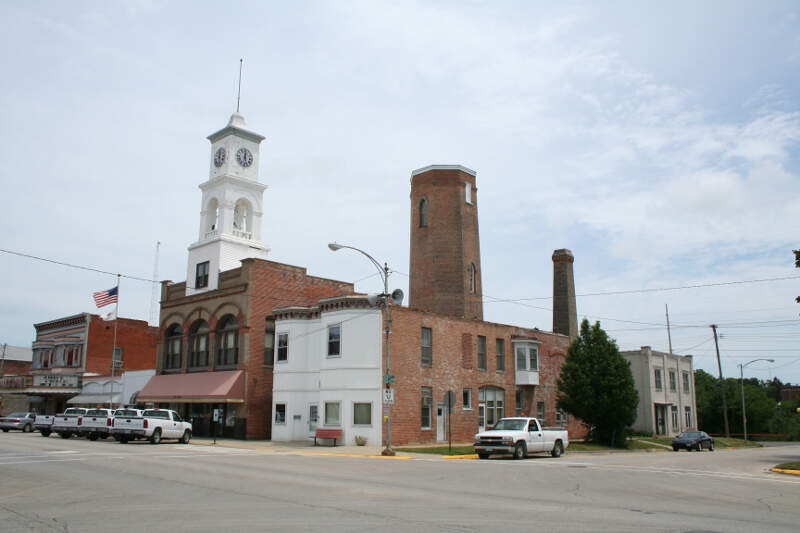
x,y
334,434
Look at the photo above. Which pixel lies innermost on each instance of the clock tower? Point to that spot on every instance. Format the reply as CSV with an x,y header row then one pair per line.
x,y
231,208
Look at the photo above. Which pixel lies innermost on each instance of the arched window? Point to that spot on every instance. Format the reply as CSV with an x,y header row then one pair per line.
x,y
198,345
227,341
423,213
242,218
491,400
212,215
472,276
172,347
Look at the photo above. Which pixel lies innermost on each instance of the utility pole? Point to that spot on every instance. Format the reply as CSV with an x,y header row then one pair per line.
x,y
669,334
721,385
3,360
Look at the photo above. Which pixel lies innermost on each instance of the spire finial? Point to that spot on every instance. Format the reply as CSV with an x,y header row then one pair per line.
x,y
239,94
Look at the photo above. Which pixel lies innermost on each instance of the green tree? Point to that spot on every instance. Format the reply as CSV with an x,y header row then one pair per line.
x,y
596,385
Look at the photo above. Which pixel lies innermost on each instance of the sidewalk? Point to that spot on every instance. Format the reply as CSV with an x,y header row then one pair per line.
x,y
292,447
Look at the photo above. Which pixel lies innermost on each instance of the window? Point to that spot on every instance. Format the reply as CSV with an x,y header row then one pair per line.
x,y
228,341
362,414
427,346
493,398
201,275
423,213
334,340
657,375
467,398
468,192
283,347
561,418
675,418
332,414
540,411
472,276
269,343
116,356
686,386
673,381
688,415
500,348
520,403
481,352
198,345
280,413
527,357
172,347
427,406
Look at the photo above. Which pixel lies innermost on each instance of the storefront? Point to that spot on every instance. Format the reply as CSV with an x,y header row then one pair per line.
x,y
196,395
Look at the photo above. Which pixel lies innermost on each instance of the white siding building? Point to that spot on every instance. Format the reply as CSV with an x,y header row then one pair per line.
x,y
665,383
327,370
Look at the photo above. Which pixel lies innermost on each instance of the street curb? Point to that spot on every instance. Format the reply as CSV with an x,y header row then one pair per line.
x,y
471,456
784,471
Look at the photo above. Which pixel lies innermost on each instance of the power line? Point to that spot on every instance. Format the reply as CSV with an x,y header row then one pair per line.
x,y
80,267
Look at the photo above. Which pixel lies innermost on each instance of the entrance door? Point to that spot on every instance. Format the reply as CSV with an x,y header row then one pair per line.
x,y
481,417
312,418
441,422
661,419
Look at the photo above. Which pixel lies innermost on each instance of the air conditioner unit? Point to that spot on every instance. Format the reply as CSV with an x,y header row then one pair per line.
x,y
427,400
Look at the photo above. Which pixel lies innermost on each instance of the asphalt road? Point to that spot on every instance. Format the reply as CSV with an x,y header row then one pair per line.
x,y
50,484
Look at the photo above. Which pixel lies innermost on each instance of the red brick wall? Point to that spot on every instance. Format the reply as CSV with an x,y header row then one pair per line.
x,y
442,251
136,338
452,339
16,368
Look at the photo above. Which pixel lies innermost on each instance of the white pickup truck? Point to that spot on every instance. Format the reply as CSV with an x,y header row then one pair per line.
x,y
154,424
67,423
519,437
97,423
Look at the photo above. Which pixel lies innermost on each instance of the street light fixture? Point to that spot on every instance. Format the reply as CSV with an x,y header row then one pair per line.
x,y
741,382
396,297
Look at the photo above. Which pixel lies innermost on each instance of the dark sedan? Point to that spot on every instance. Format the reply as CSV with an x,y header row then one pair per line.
x,y
693,440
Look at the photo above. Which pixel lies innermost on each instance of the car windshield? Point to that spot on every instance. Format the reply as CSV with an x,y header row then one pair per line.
x,y
511,424
75,411
126,412
156,414
96,412
18,415
689,435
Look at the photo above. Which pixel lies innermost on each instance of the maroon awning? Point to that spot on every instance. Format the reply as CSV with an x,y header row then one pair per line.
x,y
200,387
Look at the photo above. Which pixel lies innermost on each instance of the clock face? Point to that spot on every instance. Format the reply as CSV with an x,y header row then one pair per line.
x,y
244,157
219,157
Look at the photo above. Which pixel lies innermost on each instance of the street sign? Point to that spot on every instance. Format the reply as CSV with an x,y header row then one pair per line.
x,y
388,379
388,396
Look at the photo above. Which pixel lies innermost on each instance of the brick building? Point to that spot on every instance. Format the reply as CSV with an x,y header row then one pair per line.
x,y
329,359
15,366
216,331
66,349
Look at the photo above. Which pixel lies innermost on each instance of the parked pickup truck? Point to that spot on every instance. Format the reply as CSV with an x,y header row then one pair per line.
x,y
68,423
154,424
96,423
519,437
44,424
123,412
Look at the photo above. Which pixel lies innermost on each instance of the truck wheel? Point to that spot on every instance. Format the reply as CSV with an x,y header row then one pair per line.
x,y
483,456
45,433
156,438
674,448
711,447
65,435
187,435
558,449
92,436
27,429
519,451
5,430
123,440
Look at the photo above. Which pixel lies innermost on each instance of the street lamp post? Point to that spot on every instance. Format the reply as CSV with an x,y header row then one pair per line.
x,y
741,382
387,377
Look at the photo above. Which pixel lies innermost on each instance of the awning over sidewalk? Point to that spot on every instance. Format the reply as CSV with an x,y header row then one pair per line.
x,y
200,387
97,398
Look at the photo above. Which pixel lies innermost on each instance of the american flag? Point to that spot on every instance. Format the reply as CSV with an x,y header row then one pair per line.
x,y
103,298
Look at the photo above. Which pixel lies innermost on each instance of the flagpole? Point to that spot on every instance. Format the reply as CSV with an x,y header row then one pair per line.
x,y
114,348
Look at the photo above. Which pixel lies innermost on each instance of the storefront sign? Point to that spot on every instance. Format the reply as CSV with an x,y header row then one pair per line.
x,y
12,382
56,381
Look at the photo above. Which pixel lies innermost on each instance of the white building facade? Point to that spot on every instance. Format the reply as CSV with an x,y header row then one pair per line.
x,y
327,370
665,383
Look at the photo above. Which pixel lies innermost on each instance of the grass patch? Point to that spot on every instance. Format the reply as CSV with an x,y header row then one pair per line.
x,y
719,442
439,450
789,466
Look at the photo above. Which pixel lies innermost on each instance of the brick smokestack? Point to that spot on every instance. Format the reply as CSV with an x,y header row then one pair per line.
x,y
565,314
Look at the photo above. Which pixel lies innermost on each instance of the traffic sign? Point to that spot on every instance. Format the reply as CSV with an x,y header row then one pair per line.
x,y
388,379
388,396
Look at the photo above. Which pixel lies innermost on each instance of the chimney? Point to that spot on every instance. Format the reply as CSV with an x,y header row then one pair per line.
x,y
565,314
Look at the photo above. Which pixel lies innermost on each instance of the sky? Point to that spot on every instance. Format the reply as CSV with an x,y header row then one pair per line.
x,y
660,142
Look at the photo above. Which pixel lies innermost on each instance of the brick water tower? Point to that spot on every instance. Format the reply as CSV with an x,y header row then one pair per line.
x,y
445,256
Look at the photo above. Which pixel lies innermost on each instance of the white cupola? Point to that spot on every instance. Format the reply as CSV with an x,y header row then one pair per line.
x,y
231,208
